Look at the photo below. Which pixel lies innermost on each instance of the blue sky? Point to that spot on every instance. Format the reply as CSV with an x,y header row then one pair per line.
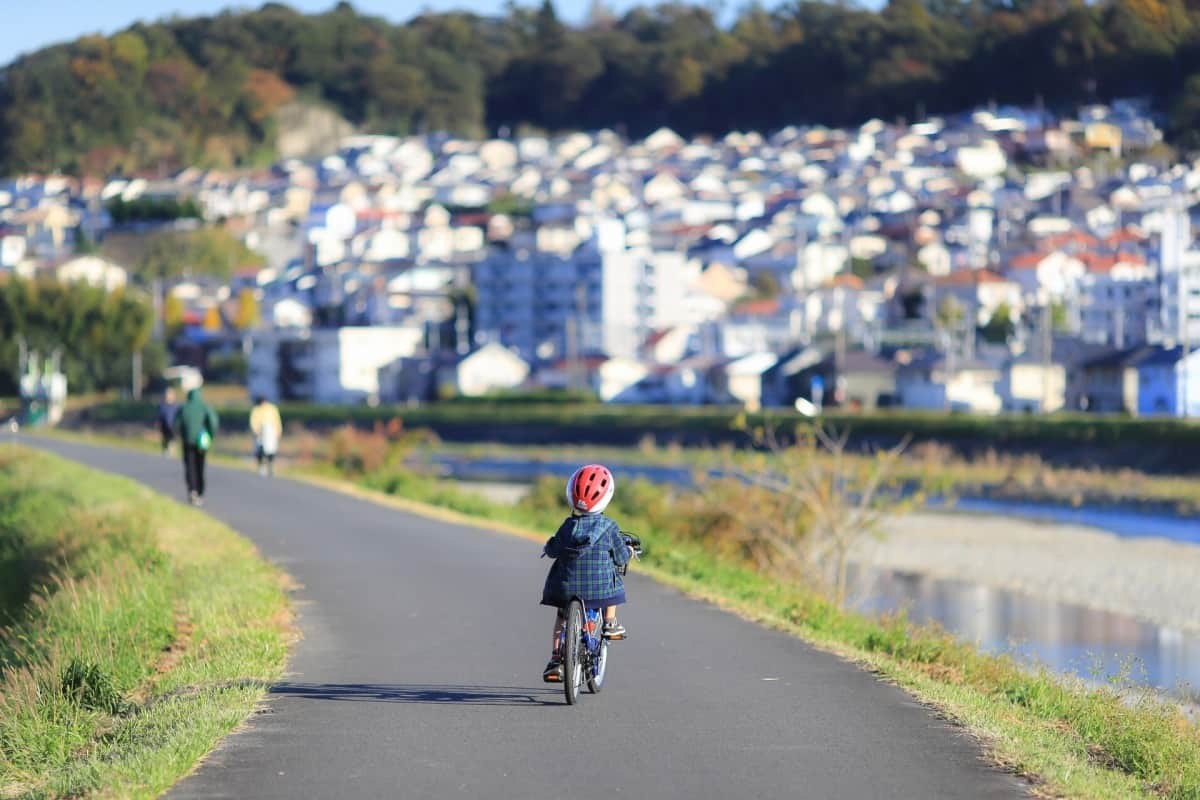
x,y
44,22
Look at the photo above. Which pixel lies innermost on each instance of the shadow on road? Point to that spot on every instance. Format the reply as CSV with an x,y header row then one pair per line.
x,y
431,695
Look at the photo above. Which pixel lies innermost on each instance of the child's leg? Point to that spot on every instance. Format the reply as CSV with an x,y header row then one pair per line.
x,y
560,622
610,613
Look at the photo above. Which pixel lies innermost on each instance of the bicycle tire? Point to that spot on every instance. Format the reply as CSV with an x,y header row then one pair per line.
x,y
572,661
599,661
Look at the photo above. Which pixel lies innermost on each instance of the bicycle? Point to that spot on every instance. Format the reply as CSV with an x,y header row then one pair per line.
x,y
583,646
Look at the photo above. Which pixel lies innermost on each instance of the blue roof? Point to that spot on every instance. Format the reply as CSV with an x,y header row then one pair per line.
x,y
1162,357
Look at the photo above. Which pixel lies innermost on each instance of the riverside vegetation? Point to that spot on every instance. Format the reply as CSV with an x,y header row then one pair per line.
x,y
1069,738
134,632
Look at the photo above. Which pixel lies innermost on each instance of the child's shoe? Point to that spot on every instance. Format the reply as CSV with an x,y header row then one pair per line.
x,y
613,629
553,673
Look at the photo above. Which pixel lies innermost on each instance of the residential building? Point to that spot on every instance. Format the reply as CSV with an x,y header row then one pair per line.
x,y
1168,383
327,365
487,369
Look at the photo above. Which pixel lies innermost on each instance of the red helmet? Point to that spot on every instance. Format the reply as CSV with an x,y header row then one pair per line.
x,y
590,489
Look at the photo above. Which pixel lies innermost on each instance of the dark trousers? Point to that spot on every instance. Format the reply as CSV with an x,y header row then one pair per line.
x,y
193,468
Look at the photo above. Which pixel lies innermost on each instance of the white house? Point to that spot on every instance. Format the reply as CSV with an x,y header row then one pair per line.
x,y
935,384
95,271
12,251
486,369
744,378
1055,275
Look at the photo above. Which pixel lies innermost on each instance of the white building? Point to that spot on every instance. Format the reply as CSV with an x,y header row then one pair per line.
x,y
326,365
602,298
1178,320
93,270
1118,307
487,369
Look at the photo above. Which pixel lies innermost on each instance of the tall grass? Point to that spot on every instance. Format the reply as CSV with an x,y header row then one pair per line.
x,y
112,585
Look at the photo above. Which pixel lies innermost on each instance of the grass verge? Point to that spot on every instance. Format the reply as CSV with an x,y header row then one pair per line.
x,y
137,632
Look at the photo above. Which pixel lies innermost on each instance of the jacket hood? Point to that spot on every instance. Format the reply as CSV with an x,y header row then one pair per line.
x,y
194,395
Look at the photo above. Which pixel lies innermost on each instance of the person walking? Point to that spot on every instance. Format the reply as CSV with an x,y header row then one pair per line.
x,y
267,427
167,410
196,423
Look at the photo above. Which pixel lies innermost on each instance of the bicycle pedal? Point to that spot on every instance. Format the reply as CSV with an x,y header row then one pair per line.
x,y
552,678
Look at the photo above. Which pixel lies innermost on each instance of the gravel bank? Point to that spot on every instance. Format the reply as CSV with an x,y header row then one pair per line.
x,y
1153,579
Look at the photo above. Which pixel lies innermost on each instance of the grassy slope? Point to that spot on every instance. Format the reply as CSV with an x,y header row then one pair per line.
x,y
150,632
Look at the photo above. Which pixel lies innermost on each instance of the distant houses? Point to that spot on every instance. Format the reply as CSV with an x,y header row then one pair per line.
x,y
955,263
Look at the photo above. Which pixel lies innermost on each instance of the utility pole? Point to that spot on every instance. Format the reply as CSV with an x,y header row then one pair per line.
x,y
462,331
1185,334
574,335
1047,344
136,375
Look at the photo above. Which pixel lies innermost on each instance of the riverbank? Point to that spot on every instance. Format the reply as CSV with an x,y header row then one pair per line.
x,y
135,632
1151,579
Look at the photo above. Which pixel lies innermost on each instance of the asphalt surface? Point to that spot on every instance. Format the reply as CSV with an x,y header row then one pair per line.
x,y
419,676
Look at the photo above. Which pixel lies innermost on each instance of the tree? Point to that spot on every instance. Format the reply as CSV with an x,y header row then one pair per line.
x,y
1000,328
950,312
96,332
176,254
823,501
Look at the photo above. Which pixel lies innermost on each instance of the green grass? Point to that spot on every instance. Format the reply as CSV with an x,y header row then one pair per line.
x,y
142,632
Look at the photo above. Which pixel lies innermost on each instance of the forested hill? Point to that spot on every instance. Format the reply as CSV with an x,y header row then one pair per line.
x,y
207,90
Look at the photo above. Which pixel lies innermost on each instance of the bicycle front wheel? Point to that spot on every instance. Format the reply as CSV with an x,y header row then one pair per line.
x,y
572,657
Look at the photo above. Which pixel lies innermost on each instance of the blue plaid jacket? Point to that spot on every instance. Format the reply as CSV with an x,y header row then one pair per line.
x,y
587,551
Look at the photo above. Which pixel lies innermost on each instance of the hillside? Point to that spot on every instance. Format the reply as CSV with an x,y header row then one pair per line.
x,y
210,90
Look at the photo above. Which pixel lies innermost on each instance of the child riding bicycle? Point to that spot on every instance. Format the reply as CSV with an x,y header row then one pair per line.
x,y
588,551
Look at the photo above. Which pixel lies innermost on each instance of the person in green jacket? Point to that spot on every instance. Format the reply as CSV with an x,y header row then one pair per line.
x,y
196,424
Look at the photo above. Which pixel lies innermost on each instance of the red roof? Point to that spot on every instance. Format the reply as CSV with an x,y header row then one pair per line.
x,y
970,277
1104,262
757,308
1124,236
847,280
478,219
1077,238
1027,260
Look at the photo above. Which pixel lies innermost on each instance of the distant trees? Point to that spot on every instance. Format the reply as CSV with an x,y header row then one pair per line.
x,y
153,209
205,90
98,332
212,251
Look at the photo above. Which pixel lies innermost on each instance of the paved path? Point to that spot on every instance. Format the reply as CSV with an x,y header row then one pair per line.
x,y
419,676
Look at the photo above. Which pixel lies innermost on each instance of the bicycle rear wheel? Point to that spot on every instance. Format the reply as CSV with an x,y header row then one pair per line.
x,y
599,662
572,661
